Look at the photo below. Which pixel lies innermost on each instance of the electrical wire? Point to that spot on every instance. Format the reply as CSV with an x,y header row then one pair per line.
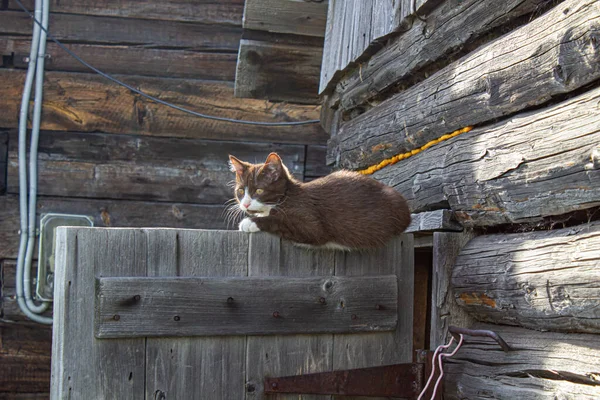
x,y
150,97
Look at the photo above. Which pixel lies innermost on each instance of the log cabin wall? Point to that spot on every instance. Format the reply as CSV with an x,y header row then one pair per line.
x,y
524,182
121,159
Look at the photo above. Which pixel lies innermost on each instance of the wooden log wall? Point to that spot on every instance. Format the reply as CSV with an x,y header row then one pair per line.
x,y
525,75
123,160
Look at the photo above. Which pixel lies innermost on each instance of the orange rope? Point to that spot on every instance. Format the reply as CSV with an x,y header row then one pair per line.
x,y
396,158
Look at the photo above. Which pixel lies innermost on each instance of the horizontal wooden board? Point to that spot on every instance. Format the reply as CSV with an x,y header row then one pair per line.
x,y
278,71
224,12
129,60
98,165
552,55
140,32
298,17
244,306
110,213
429,221
548,280
89,103
545,365
531,166
427,42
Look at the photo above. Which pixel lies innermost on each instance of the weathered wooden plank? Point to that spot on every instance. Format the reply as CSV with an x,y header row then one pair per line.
x,y
130,60
196,368
552,55
10,311
438,220
271,356
109,166
531,166
315,165
89,103
544,366
83,367
279,71
444,311
426,43
298,17
376,349
111,213
140,32
242,306
24,358
421,308
547,280
223,12
330,44
4,158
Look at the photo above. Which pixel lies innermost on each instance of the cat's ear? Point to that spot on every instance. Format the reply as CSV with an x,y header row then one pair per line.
x,y
273,168
236,165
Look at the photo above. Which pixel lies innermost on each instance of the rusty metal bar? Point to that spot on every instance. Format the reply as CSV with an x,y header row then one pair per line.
x,y
399,380
455,331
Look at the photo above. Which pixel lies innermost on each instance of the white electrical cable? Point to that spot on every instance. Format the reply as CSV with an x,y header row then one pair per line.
x,y
28,222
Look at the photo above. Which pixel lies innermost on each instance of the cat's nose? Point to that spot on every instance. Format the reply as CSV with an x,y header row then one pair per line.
x,y
246,204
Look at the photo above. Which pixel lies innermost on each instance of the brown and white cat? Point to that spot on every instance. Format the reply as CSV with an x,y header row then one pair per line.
x,y
343,210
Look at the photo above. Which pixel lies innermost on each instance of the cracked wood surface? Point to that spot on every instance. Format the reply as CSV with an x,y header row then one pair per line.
x,y
89,103
548,280
554,54
533,165
544,366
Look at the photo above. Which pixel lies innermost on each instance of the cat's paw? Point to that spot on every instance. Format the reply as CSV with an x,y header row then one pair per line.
x,y
247,225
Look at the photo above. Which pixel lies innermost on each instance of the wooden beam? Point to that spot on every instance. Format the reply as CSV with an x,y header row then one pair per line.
x,y
4,158
548,280
243,306
315,162
504,77
110,213
429,42
98,165
545,365
129,60
438,220
444,311
274,69
531,166
222,12
138,32
89,103
297,17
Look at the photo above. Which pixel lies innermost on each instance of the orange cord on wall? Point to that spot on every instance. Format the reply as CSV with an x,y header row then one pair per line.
x,y
398,157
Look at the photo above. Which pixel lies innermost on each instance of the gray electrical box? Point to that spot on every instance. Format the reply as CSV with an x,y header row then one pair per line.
x,y
47,246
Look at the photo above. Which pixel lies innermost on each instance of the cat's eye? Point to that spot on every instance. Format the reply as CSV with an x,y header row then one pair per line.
x,y
259,191
240,192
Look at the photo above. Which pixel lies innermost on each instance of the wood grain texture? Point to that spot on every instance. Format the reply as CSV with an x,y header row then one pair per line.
x,y
110,213
425,43
376,349
547,280
130,60
438,220
222,12
97,165
83,367
315,162
552,55
138,32
196,368
544,366
243,306
444,311
298,17
88,103
278,71
533,165
271,356
4,158
24,356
